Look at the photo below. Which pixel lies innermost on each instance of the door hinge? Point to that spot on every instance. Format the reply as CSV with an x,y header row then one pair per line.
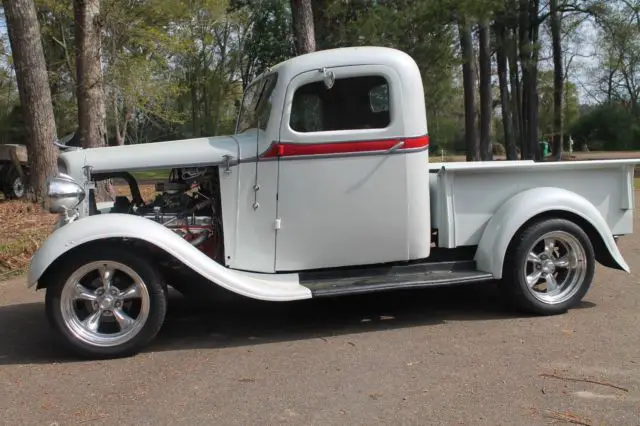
x,y
227,163
278,224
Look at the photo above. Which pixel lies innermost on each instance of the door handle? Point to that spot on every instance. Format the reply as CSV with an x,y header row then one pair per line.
x,y
396,146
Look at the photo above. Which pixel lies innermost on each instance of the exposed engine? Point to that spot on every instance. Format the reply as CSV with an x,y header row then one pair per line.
x,y
186,203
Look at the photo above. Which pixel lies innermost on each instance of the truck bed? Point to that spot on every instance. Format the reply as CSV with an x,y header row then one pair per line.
x,y
465,195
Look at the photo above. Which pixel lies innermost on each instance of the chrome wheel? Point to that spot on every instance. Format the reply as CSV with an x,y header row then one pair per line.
x,y
105,304
555,267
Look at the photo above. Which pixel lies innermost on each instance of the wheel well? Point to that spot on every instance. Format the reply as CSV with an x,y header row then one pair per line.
x,y
603,256
157,255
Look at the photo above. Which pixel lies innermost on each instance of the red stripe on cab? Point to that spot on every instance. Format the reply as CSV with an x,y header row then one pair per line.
x,y
353,147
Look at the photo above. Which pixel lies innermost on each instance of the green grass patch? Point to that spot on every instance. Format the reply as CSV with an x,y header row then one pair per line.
x,y
15,255
14,273
157,174
14,247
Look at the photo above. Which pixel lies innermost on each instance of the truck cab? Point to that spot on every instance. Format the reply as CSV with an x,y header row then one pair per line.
x,y
340,145
325,189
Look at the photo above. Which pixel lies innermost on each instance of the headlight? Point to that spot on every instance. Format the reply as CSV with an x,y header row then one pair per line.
x,y
64,193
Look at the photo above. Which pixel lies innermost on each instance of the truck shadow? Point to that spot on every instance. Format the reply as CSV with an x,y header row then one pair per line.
x,y
232,321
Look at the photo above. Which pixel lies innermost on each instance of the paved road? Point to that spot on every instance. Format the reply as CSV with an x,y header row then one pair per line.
x,y
446,356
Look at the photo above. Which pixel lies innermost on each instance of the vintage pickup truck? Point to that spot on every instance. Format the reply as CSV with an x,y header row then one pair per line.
x,y
325,189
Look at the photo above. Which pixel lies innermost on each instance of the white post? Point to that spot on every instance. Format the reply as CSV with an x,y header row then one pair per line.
x,y
570,146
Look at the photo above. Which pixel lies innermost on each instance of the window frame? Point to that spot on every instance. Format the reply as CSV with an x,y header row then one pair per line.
x,y
331,104
396,112
260,83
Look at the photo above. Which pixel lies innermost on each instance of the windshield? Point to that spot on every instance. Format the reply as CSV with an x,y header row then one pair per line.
x,y
256,104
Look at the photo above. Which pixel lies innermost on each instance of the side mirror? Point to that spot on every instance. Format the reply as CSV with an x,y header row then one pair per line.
x,y
329,78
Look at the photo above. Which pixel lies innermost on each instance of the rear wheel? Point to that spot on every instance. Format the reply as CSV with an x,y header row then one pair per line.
x,y
550,267
106,302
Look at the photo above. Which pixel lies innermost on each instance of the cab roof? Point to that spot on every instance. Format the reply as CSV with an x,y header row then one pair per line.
x,y
345,56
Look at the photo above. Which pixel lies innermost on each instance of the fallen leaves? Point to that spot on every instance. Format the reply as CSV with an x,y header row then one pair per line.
x,y
24,226
147,192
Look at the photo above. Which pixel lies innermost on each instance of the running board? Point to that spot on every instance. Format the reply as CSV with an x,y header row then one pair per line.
x,y
386,278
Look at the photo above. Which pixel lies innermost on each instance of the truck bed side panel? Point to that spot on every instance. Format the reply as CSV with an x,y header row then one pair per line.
x,y
465,197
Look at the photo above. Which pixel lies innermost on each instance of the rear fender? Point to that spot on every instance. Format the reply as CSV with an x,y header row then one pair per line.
x,y
526,205
269,287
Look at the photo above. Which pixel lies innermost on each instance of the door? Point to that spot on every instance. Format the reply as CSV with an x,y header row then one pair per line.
x,y
342,181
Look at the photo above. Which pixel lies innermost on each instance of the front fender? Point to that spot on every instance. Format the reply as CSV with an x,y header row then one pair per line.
x,y
269,287
524,206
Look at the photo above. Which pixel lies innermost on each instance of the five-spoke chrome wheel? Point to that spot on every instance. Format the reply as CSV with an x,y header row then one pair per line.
x,y
555,267
106,300
549,266
105,303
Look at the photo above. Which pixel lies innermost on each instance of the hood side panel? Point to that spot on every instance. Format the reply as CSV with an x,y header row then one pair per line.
x,y
173,154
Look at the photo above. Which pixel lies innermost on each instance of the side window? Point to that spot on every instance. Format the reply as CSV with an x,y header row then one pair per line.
x,y
351,104
257,104
306,113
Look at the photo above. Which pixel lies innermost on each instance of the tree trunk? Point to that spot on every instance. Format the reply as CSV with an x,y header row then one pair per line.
x,y
303,26
469,82
121,131
529,33
534,112
195,104
486,99
91,109
516,93
35,96
322,24
558,81
505,101
525,59
90,93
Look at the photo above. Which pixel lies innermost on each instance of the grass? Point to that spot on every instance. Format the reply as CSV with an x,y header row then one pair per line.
x,y
151,174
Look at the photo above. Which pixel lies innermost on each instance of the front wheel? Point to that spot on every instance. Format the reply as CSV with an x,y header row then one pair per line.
x,y
550,267
106,302
15,188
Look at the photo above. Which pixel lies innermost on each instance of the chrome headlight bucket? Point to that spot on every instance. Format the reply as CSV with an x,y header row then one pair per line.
x,y
64,193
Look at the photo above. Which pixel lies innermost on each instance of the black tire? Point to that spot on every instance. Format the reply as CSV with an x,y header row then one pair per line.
x,y
3,169
514,282
152,281
11,176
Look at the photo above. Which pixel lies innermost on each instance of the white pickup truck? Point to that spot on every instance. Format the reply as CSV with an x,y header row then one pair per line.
x,y
325,189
